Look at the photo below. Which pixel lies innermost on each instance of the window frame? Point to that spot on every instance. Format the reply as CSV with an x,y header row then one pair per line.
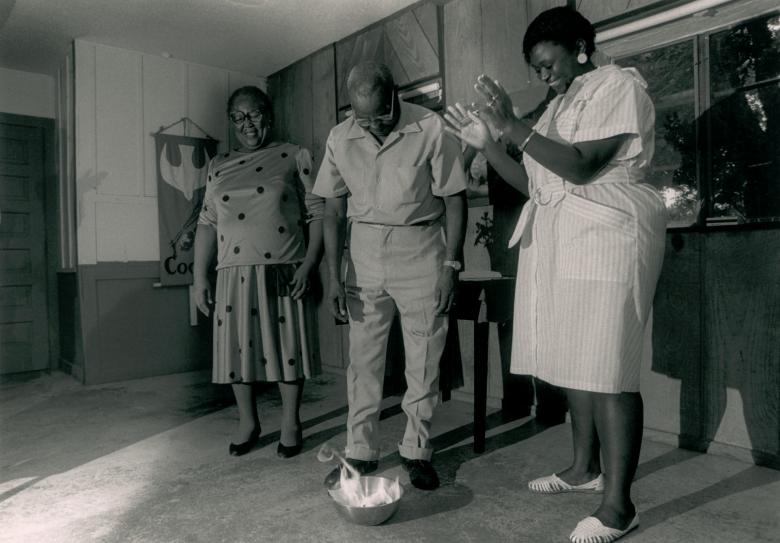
x,y
699,32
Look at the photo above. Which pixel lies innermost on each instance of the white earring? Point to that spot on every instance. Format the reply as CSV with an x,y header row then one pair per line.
x,y
582,58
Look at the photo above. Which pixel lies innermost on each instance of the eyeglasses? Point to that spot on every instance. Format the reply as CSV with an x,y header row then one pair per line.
x,y
379,119
238,117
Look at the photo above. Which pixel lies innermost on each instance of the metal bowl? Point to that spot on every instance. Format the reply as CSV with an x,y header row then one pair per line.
x,y
367,516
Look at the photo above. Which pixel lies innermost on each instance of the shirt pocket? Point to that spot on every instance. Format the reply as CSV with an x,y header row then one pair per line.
x,y
403,185
358,181
595,242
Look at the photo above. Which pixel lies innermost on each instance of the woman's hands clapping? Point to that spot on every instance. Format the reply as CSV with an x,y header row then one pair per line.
x,y
467,126
498,109
479,126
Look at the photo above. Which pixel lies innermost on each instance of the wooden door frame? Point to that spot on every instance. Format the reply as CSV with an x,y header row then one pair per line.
x,y
51,224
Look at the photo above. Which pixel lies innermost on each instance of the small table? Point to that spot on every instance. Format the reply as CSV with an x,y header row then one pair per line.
x,y
483,300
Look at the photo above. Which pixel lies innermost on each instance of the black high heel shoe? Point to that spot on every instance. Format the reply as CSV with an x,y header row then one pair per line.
x,y
239,449
284,451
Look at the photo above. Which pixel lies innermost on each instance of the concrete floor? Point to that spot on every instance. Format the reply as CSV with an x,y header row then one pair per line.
x,y
146,461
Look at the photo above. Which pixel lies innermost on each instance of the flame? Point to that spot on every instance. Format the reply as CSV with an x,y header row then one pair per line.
x,y
354,490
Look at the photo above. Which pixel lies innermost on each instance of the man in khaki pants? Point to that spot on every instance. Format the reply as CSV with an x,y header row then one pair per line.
x,y
398,179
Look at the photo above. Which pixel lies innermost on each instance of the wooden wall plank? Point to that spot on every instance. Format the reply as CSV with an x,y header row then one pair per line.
x,y
462,25
671,387
323,100
283,103
274,88
599,10
301,112
535,7
428,19
742,343
503,26
412,47
396,65
370,45
343,51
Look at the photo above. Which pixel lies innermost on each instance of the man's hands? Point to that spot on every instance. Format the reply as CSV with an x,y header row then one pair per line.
x,y
337,299
445,290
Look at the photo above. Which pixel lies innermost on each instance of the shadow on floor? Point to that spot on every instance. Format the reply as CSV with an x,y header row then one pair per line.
x,y
752,477
450,459
661,462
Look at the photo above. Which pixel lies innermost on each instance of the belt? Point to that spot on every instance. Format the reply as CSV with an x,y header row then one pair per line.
x,y
431,222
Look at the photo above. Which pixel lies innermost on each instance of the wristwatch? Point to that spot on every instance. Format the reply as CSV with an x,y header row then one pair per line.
x,y
454,264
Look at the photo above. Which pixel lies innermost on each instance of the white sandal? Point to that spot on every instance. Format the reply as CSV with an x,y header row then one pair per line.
x,y
592,530
552,484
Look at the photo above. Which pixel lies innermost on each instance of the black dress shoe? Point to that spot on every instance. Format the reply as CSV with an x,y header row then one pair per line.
x,y
239,449
288,451
421,473
361,466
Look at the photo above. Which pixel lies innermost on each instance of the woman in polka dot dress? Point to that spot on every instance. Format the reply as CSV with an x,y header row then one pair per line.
x,y
256,210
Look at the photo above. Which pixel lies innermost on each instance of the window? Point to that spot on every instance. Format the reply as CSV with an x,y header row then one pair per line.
x,y
717,98
671,80
744,121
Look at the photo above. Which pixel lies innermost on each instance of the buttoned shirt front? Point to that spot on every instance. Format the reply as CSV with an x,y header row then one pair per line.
x,y
400,182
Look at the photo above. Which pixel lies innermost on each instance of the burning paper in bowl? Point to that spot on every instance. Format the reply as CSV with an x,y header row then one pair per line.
x,y
357,491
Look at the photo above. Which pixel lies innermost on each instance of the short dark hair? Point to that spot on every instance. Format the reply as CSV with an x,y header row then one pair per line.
x,y
252,92
371,76
562,25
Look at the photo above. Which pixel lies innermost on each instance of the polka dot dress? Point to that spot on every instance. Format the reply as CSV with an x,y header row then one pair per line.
x,y
259,203
260,332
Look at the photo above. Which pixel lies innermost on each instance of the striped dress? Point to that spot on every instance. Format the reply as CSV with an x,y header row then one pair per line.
x,y
590,255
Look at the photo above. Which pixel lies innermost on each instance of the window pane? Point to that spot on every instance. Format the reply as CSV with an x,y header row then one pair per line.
x,y
744,55
744,117
670,75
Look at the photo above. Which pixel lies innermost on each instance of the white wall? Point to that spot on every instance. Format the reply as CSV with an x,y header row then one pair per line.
x,y
26,93
122,97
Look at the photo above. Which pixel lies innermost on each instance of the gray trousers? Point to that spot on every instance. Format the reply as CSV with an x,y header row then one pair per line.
x,y
389,268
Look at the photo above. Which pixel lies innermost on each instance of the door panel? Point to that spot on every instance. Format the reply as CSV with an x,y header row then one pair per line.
x,y
24,342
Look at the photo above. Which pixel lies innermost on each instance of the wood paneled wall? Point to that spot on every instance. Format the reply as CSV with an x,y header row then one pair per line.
x,y
487,37
740,384
408,43
669,385
715,378
304,97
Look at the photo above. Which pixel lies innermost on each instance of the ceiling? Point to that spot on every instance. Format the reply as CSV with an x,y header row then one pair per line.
x,y
255,37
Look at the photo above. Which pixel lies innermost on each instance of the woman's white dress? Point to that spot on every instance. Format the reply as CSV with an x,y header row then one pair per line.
x,y
590,255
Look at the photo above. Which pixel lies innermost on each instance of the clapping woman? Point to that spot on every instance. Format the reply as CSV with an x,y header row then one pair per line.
x,y
591,246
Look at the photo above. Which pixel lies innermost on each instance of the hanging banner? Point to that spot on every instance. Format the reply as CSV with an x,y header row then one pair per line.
x,y
182,164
